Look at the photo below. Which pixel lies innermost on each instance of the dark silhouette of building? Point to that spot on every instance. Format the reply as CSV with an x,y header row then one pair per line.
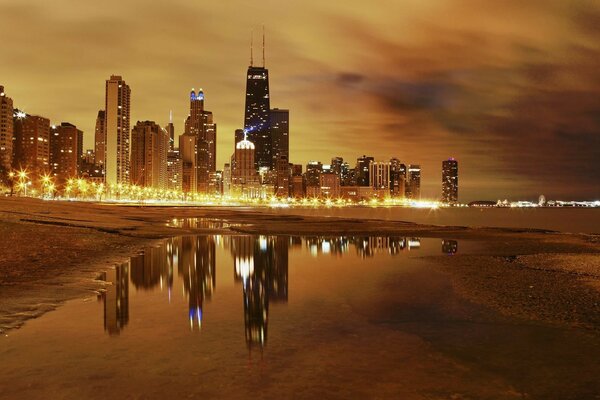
x,y
257,116
362,170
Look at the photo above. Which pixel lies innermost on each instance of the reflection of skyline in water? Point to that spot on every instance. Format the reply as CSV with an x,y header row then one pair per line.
x,y
260,266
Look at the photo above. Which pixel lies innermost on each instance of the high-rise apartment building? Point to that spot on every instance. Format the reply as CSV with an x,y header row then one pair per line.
x,y
6,130
66,150
149,148
117,128
450,181
31,149
280,134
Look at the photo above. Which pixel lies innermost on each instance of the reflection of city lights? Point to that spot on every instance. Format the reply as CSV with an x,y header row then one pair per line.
x,y
326,247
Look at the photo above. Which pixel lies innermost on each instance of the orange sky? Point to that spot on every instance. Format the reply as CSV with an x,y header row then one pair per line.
x,y
509,88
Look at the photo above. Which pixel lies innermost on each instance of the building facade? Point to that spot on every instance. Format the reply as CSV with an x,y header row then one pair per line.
x,y
362,170
379,175
66,152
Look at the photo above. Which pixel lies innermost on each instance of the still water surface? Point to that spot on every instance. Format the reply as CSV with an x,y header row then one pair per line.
x,y
290,317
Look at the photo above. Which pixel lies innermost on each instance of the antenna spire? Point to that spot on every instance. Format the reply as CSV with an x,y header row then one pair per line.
x,y
251,48
170,116
264,46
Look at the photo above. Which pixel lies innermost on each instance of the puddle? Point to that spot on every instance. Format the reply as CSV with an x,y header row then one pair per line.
x,y
291,317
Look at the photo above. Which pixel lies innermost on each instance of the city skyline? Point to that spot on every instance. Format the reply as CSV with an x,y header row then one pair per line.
x,y
431,101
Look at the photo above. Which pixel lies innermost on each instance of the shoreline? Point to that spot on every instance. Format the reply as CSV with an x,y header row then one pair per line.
x,y
62,247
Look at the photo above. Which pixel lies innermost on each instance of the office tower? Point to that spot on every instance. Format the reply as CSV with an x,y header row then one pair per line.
x,y
280,131
66,148
245,171
170,128
149,148
337,165
117,128
257,112
362,170
329,182
6,130
413,189
200,123
282,184
450,181
174,170
187,152
379,175
100,138
31,150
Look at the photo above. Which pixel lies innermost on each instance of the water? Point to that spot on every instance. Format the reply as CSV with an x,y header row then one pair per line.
x,y
563,219
288,317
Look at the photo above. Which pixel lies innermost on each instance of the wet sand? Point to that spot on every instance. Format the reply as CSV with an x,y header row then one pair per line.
x,y
53,252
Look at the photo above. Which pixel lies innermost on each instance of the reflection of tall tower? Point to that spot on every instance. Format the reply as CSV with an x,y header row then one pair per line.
x,y
257,113
116,300
261,265
197,267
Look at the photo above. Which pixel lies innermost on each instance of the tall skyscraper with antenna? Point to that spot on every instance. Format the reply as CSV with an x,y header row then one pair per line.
x,y
257,122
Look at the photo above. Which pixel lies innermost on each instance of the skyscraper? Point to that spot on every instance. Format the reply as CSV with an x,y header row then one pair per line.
x,y
200,123
257,112
100,138
244,172
450,181
149,148
6,129
280,131
282,184
66,148
117,128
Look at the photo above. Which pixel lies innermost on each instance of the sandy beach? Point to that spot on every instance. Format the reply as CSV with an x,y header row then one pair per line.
x,y
54,251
